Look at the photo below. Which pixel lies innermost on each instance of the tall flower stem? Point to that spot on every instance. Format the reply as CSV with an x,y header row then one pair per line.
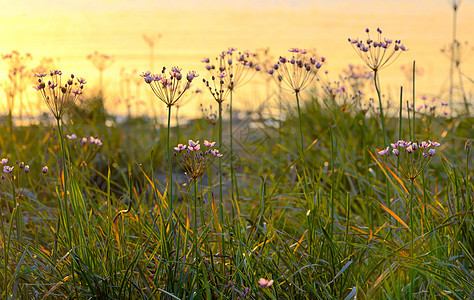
x,y
170,169
301,126
280,112
414,105
220,164
412,273
64,183
332,183
235,186
221,202
10,131
303,162
195,224
467,148
382,118
233,183
453,62
19,215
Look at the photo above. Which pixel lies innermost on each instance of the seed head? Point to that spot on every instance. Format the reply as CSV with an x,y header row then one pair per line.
x,y
59,98
378,53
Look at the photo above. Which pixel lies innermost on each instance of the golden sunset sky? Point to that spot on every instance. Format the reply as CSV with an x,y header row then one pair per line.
x,y
70,30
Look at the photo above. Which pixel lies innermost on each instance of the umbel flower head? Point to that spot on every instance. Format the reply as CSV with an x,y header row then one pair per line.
x,y
413,157
217,87
100,61
234,68
298,71
377,53
195,161
169,89
59,94
209,114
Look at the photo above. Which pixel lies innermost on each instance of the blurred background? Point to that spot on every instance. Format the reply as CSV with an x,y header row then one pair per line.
x,y
119,39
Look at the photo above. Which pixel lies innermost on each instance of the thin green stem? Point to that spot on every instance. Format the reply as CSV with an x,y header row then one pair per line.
x,y
333,180
6,254
170,168
452,62
221,201
280,112
64,180
301,127
410,132
231,147
466,181
413,91
64,184
412,230
384,133
400,119
301,150
382,118
220,164
195,224
233,176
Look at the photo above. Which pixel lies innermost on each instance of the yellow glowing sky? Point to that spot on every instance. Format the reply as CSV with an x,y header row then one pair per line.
x,y
192,30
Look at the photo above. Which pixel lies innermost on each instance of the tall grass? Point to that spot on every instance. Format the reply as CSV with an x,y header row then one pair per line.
x,y
359,230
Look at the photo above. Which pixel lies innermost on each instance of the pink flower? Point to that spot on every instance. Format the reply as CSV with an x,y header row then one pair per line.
x,y
383,151
180,147
402,143
193,146
191,75
263,283
72,136
424,144
216,153
209,144
8,169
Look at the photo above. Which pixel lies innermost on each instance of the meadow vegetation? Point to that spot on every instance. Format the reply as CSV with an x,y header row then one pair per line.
x,y
323,193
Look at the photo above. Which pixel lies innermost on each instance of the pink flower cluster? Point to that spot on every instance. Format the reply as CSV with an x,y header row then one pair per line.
x,y
21,166
430,106
411,157
232,69
410,147
298,71
169,90
83,141
59,94
194,161
377,53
